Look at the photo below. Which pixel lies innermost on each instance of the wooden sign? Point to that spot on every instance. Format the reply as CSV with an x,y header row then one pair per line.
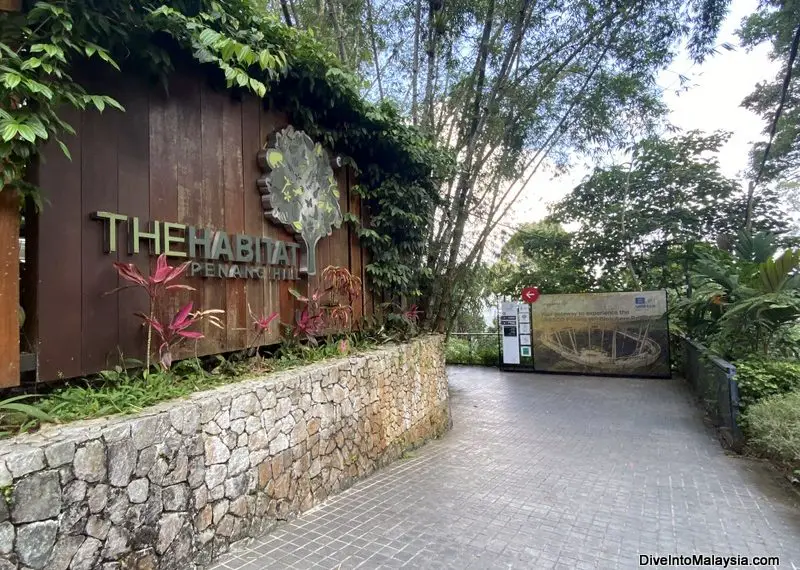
x,y
179,174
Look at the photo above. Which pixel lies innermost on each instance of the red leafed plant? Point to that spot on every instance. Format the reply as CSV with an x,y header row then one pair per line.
x,y
309,326
329,307
174,332
261,326
157,285
412,314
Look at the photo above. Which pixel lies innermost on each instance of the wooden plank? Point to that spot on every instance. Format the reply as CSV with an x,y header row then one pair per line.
x,y
339,240
369,299
213,210
29,277
232,173
253,211
9,288
276,293
186,91
58,259
100,314
356,260
10,5
133,165
163,169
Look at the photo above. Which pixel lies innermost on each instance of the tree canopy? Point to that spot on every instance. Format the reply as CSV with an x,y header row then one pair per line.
x,y
637,219
777,22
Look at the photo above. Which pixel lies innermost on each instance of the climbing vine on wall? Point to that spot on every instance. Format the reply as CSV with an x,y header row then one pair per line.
x,y
242,49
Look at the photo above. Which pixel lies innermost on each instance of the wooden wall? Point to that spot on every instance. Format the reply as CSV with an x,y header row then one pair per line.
x,y
190,158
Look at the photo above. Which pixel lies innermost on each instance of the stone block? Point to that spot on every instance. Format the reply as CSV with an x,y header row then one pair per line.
x,y
21,463
89,463
60,453
36,497
35,541
122,458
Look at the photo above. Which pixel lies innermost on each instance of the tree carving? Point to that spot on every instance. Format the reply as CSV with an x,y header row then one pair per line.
x,y
298,189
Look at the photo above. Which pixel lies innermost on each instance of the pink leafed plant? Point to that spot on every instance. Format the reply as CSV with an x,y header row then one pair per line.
x,y
261,325
412,314
156,285
174,332
309,326
330,307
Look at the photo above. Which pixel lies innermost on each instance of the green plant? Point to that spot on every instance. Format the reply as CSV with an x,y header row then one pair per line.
x,y
760,378
125,390
773,428
16,416
481,351
740,306
36,50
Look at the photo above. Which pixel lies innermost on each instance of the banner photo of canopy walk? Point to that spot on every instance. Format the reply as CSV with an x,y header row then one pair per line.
x,y
620,334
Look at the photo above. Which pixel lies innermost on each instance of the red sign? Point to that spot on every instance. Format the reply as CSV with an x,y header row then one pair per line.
x,y
530,294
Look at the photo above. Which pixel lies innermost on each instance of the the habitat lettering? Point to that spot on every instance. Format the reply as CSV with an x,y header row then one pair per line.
x,y
212,253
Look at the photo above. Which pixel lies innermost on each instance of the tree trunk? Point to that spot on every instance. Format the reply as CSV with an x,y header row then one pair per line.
x,y
338,31
427,117
285,10
371,25
415,62
748,215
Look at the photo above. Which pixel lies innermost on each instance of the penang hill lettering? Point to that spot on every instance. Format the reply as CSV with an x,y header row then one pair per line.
x,y
212,253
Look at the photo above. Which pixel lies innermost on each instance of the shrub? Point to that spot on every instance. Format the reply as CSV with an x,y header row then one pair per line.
x,y
758,379
477,351
773,427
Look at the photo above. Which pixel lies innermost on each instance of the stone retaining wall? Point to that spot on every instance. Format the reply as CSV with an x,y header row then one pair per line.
x,y
172,487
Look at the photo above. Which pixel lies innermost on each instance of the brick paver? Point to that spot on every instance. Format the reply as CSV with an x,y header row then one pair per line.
x,y
548,472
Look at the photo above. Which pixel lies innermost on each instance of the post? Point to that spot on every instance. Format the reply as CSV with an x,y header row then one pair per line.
x,y
10,5
9,289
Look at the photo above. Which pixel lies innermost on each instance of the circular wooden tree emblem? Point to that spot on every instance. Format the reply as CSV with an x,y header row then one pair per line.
x,y
298,189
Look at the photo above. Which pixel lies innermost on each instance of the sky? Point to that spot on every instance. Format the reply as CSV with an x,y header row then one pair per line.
x,y
710,101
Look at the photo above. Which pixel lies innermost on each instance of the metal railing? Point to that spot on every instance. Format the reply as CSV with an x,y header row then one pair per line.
x,y
713,380
473,348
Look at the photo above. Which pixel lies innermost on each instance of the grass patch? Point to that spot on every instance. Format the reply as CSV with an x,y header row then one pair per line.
x,y
478,350
129,390
773,428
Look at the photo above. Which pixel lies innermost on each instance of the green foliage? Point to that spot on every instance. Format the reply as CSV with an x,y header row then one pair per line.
x,y
740,307
543,255
773,428
35,85
776,21
17,416
761,378
639,221
480,350
122,391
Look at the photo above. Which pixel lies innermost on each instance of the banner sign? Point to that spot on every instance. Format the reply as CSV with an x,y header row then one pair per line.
x,y
623,334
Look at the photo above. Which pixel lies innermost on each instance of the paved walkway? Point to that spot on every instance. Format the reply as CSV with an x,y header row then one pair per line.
x,y
548,472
